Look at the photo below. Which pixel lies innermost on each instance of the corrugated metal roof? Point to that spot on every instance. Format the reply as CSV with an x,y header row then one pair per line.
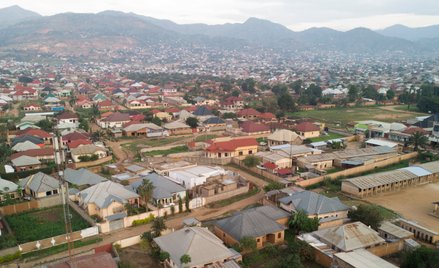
x,y
433,167
394,230
418,171
374,180
362,258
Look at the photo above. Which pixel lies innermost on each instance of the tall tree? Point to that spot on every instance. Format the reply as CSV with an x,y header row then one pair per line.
x,y
158,225
192,122
418,139
367,214
299,222
286,103
422,257
145,191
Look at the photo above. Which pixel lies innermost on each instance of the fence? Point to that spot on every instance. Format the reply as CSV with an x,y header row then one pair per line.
x,y
57,240
226,195
387,249
256,170
82,213
358,170
94,163
45,202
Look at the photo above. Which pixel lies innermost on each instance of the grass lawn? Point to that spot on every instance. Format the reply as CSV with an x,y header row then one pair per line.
x,y
345,115
330,136
205,137
413,108
143,143
42,223
173,150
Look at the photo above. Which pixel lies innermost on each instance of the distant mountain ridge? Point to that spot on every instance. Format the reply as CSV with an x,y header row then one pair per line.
x,y
114,29
15,14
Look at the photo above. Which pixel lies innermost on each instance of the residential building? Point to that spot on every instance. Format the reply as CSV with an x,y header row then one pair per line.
x,y
177,128
204,248
190,177
144,129
266,224
8,190
24,162
106,199
359,258
329,211
114,120
166,192
82,177
307,130
87,150
232,148
284,136
40,185
349,237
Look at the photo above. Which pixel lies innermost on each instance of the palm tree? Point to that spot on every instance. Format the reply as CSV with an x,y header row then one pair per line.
x,y
418,139
145,190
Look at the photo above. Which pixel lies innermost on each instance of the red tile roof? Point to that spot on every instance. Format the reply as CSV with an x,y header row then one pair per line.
x,y
248,112
252,127
76,143
34,132
284,171
267,116
270,165
232,145
306,127
412,130
75,136
66,115
34,153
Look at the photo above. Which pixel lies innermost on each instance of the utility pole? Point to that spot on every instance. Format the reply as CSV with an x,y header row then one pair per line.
x,y
64,187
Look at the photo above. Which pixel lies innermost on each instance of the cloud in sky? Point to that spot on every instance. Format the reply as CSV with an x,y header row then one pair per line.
x,y
295,14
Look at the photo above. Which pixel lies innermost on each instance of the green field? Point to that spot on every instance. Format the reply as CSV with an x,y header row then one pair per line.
x,y
330,136
205,137
144,143
173,150
42,223
345,115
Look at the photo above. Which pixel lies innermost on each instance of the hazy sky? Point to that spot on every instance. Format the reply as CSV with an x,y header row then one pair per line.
x,y
295,14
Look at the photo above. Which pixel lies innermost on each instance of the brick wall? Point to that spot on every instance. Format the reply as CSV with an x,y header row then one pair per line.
x,y
387,249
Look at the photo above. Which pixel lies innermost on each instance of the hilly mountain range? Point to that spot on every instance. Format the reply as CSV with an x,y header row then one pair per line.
x,y
26,30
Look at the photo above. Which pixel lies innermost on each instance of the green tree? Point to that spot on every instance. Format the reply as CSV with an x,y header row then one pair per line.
x,y
156,120
422,257
292,260
390,94
418,139
297,86
247,243
299,222
83,123
145,191
353,93
172,210
185,259
158,225
273,186
286,103
367,214
45,125
428,104
248,85
251,161
192,122
164,256
180,205
279,89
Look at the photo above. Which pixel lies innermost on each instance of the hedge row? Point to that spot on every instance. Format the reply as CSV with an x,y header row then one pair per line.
x,y
143,221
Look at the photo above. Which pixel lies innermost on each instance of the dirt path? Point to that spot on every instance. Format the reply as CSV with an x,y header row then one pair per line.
x,y
393,108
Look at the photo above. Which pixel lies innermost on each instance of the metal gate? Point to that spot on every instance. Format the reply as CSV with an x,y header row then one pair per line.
x,y
116,225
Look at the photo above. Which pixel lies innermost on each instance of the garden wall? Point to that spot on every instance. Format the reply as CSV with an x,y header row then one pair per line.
x,y
45,202
93,163
358,170
387,249
226,195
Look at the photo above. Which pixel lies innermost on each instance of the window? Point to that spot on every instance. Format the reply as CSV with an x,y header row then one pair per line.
x,y
250,152
55,191
279,235
48,193
258,240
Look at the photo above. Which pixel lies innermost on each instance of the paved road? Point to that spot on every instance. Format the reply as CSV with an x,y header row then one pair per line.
x,y
175,222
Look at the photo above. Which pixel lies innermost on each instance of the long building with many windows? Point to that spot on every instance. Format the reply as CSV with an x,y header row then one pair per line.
x,y
370,185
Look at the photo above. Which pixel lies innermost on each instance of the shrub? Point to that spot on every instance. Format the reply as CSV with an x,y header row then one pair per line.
x,y
251,161
10,257
164,256
146,220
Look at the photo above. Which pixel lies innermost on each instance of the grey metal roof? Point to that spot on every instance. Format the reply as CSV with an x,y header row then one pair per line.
x,y
23,138
117,216
163,187
418,171
314,203
198,242
251,222
394,230
7,186
214,120
39,182
350,236
374,180
82,177
25,160
102,194
433,167
362,258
